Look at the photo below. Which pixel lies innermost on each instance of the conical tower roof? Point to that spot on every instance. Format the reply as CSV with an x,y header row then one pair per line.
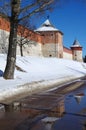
x,y
79,97
76,43
46,26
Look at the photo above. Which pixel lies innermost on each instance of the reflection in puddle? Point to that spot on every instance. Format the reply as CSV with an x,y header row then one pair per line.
x,y
47,118
79,97
50,111
49,121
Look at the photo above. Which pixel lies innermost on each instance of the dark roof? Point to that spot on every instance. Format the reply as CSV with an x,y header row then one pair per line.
x,y
76,43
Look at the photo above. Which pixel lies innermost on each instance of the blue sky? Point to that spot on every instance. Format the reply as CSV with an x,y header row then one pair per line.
x,y
70,18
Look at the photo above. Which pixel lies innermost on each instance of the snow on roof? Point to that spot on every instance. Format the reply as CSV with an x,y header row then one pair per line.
x,y
46,26
47,22
76,44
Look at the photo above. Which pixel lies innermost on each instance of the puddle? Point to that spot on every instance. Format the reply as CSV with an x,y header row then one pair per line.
x,y
50,111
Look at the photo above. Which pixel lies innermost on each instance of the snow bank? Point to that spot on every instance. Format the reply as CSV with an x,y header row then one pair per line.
x,y
39,70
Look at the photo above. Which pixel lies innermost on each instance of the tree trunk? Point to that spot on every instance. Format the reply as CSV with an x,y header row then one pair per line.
x,y
21,49
11,56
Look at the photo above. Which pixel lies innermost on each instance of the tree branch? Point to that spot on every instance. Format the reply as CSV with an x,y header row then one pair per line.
x,y
28,7
42,7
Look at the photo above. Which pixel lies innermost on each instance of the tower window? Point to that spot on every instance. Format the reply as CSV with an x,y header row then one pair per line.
x,y
47,25
50,55
42,35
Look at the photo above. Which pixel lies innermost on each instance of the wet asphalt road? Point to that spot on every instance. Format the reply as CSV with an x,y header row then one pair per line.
x,y
27,113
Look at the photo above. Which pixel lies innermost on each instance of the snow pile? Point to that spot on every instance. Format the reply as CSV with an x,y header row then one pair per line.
x,y
38,69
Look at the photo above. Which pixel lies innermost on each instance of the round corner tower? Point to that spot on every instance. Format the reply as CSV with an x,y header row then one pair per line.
x,y
77,51
52,40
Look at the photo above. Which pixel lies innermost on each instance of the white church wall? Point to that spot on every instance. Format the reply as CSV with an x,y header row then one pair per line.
x,y
4,36
38,49
67,55
50,50
60,50
77,55
31,48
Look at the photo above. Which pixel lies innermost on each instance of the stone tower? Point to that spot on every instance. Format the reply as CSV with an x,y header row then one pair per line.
x,y
77,51
52,40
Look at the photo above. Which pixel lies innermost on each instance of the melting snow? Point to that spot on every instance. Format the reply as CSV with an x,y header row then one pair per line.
x,y
40,69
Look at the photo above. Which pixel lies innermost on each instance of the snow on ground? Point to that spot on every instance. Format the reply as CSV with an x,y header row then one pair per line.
x,y
40,69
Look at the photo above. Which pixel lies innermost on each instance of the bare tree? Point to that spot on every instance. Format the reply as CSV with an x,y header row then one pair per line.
x,y
11,57
24,31
23,39
15,15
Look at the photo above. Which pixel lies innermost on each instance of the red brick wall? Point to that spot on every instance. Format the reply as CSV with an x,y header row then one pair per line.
x,y
24,32
67,50
48,37
5,25
51,37
76,48
59,38
45,37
